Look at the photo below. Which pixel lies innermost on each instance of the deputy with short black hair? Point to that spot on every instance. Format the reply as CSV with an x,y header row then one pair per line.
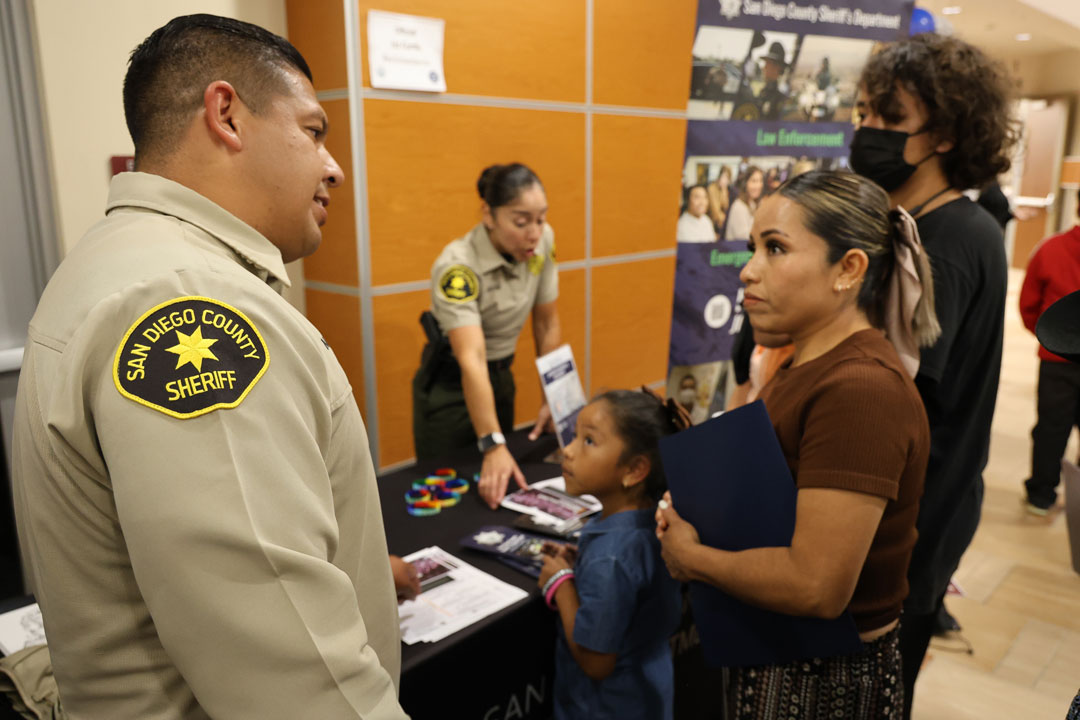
x,y
483,288
193,486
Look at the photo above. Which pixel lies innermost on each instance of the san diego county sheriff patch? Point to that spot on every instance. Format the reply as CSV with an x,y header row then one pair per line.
x,y
190,356
459,284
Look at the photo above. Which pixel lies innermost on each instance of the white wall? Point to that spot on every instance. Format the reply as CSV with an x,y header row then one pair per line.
x,y
83,48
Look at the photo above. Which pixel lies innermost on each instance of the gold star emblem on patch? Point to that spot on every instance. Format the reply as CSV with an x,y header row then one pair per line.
x,y
192,349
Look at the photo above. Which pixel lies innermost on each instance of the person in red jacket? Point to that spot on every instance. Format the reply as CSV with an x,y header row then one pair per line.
x,y
1053,272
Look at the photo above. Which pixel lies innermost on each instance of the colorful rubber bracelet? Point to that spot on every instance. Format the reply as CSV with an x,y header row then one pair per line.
x,y
445,498
434,480
549,596
417,495
424,508
446,473
458,485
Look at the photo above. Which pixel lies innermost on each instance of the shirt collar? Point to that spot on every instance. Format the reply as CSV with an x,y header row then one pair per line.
x,y
487,257
157,193
625,520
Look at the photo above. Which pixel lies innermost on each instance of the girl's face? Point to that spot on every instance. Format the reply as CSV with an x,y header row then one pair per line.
x,y
789,282
516,227
754,184
725,178
591,462
698,202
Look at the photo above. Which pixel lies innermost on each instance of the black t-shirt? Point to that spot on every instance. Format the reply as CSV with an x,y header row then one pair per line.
x,y
995,202
958,381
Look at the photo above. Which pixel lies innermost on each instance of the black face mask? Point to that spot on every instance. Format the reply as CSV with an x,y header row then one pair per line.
x,y
878,155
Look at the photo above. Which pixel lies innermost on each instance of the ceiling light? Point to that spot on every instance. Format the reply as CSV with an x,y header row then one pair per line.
x,y
1023,37
953,10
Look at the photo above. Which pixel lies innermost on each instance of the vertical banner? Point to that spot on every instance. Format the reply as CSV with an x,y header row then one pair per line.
x,y
772,95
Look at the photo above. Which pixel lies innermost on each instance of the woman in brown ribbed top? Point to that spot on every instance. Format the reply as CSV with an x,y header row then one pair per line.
x,y
839,272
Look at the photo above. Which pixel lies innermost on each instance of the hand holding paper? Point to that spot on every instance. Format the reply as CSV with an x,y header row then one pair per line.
x,y
406,579
677,538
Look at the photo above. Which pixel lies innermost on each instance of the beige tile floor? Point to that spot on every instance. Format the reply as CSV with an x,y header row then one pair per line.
x,y
1021,607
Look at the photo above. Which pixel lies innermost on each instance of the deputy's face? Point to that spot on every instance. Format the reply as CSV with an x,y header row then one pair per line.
x,y
772,69
516,227
289,165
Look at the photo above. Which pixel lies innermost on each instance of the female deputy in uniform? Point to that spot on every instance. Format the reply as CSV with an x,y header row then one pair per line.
x,y
483,286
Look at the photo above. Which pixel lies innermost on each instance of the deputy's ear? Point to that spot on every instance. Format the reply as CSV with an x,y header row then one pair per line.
x,y
222,105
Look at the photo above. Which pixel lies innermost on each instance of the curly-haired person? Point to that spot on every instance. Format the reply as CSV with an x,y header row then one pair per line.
x,y
934,121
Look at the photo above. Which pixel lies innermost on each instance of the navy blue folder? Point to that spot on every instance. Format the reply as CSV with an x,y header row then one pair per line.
x,y
729,479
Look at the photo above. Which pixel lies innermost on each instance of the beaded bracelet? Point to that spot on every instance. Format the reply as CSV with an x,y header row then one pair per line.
x,y
555,576
553,583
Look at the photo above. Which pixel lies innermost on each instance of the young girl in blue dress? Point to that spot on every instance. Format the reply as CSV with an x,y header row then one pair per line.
x,y
617,604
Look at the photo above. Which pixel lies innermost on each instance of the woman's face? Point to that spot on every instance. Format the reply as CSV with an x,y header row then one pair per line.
x,y
789,282
754,185
698,202
725,178
516,227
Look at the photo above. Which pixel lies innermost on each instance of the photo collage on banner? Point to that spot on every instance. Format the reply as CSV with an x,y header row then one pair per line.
x,y
772,95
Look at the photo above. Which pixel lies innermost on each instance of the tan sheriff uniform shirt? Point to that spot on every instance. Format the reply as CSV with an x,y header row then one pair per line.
x,y
473,284
193,485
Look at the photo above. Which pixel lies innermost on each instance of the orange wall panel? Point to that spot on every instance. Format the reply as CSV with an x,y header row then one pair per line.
x,y
505,49
335,260
317,29
571,305
338,319
631,322
423,160
1070,171
398,342
641,52
637,164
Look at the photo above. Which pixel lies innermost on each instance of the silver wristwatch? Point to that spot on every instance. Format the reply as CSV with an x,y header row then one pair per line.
x,y
489,441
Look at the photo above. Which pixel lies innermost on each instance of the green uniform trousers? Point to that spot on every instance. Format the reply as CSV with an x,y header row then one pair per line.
x,y
441,421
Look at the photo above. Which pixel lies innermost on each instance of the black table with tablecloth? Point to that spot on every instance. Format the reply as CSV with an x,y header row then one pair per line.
x,y
502,666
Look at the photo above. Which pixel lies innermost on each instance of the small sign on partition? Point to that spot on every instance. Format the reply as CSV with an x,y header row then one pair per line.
x,y
405,52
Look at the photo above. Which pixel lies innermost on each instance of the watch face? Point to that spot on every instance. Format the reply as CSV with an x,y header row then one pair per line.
x,y
491,440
